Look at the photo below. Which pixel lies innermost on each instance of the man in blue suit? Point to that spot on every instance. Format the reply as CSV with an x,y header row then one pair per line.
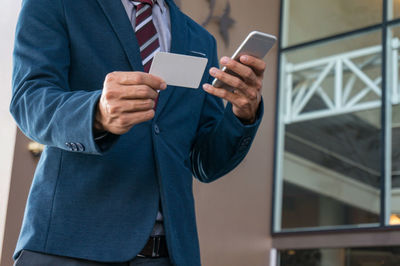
x,y
114,182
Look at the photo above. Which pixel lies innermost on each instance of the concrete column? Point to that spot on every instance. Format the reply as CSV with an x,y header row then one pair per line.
x,y
330,214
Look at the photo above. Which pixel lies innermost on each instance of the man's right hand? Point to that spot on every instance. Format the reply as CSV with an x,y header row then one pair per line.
x,y
128,98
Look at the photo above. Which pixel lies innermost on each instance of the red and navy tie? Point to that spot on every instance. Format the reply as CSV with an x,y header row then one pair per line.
x,y
146,32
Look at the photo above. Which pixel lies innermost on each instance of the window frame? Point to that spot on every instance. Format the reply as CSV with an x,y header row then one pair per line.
x,y
386,141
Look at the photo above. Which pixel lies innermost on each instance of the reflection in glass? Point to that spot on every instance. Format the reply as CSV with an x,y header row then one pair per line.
x,y
395,204
394,87
393,9
394,219
307,20
331,132
388,256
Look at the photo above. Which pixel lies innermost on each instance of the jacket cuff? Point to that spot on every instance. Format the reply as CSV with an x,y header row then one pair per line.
x,y
246,132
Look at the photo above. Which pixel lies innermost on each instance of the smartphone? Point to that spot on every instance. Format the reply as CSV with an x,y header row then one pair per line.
x,y
256,44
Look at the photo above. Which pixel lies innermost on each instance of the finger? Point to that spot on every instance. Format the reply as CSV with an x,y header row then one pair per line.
x,y
127,120
130,106
221,93
228,79
139,117
140,78
236,83
137,92
243,71
258,65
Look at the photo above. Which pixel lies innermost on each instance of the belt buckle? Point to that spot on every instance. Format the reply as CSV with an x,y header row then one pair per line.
x,y
156,247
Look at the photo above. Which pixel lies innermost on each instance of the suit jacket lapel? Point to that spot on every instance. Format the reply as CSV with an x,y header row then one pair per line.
x,y
178,45
116,15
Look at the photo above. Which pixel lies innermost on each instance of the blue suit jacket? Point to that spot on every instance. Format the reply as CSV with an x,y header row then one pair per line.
x,y
100,202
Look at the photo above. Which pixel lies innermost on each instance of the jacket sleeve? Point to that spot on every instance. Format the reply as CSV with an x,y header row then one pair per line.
x,y
42,104
222,140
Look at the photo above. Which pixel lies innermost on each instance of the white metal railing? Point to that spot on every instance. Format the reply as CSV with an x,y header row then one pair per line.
x,y
304,80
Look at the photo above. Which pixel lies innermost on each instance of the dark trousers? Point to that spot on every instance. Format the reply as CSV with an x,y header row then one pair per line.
x,y
30,258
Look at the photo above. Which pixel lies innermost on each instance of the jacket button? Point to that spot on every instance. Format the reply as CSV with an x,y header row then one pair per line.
x,y
73,147
156,129
68,145
80,146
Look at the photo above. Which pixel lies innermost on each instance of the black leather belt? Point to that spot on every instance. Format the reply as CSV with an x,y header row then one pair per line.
x,y
156,247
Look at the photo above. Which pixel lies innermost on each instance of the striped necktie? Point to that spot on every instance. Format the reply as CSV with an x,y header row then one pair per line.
x,y
146,32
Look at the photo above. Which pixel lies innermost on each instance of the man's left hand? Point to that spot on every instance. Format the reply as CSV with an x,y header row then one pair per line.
x,y
246,96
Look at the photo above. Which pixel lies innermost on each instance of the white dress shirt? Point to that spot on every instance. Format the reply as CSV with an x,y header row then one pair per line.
x,y
161,20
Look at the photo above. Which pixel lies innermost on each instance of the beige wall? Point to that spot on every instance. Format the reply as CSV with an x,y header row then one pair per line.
x,y
22,173
233,213
8,16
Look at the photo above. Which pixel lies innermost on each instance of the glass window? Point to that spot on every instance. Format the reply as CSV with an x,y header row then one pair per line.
x,y
376,256
394,85
329,167
308,20
394,9
329,135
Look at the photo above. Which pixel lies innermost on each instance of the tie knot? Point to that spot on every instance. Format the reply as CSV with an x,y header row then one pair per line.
x,y
143,2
